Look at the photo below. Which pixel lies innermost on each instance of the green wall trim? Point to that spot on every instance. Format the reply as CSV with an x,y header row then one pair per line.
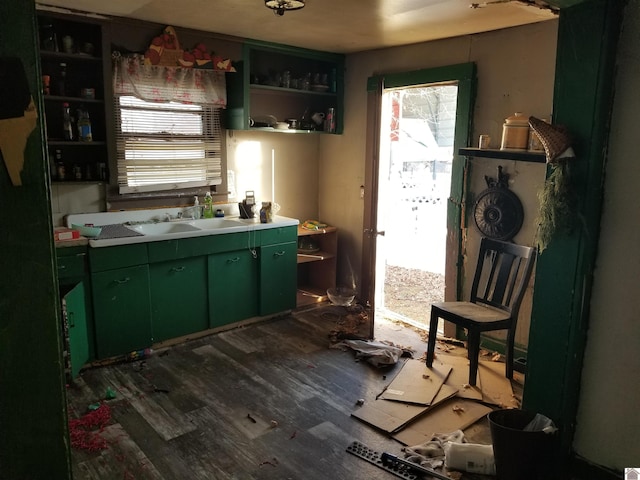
x,y
460,72
296,51
33,417
587,42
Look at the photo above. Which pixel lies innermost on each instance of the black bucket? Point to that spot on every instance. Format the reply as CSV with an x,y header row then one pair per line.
x,y
519,454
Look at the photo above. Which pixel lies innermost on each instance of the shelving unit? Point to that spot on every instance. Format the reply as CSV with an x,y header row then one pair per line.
x,y
317,270
84,64
517,155
257,91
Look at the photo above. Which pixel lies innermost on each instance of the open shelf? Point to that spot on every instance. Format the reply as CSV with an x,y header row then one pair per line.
x,y
317,270
517,155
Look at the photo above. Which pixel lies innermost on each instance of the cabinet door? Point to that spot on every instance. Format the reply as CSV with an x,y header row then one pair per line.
x,y
122,310
74,308
233,292
278,278
179,304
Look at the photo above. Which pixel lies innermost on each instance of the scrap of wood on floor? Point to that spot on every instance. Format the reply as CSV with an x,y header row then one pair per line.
x,y
421,401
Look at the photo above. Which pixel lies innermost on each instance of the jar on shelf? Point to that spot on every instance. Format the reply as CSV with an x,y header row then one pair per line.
x,y
515,132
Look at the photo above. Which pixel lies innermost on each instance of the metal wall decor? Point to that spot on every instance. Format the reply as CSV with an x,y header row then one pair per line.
x,y
498,212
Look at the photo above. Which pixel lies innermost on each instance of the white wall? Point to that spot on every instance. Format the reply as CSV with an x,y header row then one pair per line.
x,y
251,155
608,423
516,69
68,198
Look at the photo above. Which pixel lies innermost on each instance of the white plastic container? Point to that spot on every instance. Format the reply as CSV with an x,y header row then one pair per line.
x,y
470,457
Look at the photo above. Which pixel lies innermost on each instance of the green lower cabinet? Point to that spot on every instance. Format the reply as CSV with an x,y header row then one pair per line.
x,y
278,277
73,304
233,287
179,303
122,310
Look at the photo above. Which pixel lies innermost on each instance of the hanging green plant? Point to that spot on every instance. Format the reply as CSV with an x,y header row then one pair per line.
x,y
556,204
556,199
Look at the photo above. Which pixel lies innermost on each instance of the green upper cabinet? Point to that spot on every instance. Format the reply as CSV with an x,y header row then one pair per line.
x,y
279,82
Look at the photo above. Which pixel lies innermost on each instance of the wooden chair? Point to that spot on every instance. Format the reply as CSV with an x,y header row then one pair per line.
x,y
501,278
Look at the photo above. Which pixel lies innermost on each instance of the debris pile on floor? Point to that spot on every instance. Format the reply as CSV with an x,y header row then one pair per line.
x,y
428,408
85,431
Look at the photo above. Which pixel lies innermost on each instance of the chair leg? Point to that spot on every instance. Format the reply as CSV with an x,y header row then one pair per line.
x,y
509,355
431,343
473,350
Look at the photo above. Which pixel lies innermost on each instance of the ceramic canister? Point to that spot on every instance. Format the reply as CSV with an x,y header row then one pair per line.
x,y
515,132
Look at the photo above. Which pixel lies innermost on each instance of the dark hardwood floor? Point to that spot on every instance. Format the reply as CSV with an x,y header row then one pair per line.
x,y
267,401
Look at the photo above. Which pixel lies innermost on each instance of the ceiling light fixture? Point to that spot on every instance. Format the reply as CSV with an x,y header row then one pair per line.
x,y
281,6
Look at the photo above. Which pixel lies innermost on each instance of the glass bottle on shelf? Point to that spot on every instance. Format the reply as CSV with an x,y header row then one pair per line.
x,y
84,126
48,38
67,122
62,80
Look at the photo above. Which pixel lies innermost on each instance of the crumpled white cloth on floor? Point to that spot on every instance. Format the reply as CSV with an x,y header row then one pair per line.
x,y
431,454
378,354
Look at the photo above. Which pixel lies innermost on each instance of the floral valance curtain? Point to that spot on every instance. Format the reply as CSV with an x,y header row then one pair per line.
x,y
155,83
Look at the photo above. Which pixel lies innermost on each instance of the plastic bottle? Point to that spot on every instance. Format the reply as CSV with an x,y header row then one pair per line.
x,y
208,205
67,126
196,208
84,126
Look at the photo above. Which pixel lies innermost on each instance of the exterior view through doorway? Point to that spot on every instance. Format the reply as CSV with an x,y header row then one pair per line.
x,y
415,165
414,190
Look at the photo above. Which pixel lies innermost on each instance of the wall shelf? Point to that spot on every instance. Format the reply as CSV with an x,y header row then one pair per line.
x,y
517,155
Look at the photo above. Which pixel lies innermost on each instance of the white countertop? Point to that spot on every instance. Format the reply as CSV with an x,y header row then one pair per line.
x,y
141,216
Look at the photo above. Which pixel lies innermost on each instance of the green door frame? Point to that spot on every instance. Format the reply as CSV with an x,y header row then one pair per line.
x,y
464,75
586,52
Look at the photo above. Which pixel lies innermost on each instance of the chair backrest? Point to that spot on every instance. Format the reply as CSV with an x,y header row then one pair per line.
x,y
502,274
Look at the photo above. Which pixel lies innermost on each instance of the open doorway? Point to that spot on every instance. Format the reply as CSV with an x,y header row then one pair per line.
x,y
415,166
411,237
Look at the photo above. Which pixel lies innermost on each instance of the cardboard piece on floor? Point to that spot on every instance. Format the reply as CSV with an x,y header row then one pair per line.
x,y
392,416
416,383
496,387
446,417
459,376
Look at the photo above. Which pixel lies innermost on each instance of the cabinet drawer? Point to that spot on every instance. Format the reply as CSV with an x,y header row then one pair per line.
x,y
276,235
109,258
71,266
196,247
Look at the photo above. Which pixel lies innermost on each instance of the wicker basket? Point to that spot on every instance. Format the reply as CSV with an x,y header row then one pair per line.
x,y
554,138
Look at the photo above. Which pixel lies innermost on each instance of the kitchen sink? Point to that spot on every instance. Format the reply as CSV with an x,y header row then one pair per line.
x,y
211,223
163,228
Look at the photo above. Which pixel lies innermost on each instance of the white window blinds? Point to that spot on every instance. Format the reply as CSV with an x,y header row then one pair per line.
x,y
168,128
164,146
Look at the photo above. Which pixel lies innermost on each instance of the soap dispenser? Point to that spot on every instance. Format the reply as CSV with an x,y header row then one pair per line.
x,y
208,205
196,208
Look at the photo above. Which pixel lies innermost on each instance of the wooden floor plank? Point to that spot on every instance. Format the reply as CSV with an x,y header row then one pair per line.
x,y
265,401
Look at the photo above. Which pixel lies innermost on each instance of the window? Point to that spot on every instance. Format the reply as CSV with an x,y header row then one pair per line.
x,y
167,145
168,128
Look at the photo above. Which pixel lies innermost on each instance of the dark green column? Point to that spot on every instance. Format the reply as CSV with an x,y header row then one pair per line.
x,y
33,427
587,41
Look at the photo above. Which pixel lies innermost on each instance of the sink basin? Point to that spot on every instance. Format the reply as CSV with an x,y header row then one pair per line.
x,y
211,223
163,228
